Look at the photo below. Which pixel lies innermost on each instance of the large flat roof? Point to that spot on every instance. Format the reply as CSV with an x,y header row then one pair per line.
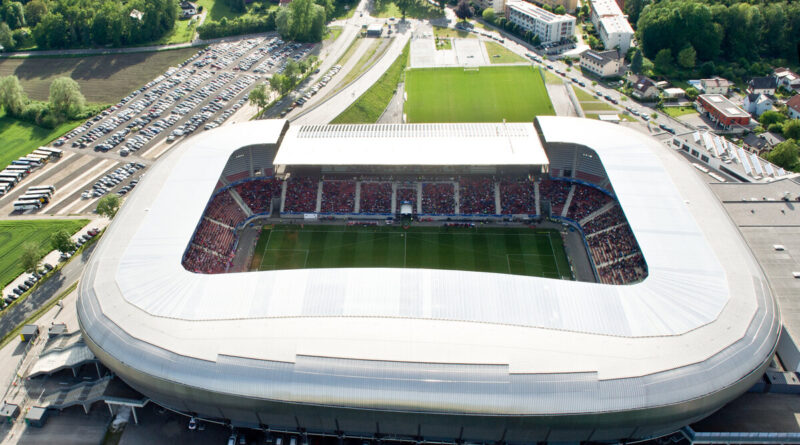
x,y
412,144
701,321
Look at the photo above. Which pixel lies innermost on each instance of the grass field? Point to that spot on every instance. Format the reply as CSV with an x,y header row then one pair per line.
x,y
103,79
182,32
444,33
500,54
18,138
679,111
370,55
14,234
217,9
370,105
416,10
518,251
333,33
552,79
491,94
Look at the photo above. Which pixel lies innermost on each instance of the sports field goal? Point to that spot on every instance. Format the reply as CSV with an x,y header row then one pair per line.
x,y
471,69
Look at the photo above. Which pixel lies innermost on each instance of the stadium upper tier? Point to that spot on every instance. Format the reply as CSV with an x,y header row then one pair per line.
x,y
436,354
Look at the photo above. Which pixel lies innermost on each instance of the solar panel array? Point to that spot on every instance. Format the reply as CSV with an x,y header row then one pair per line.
x,y
721,148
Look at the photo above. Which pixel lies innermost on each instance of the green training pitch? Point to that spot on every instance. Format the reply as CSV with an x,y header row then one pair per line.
x,y
15,234
490,94
518,251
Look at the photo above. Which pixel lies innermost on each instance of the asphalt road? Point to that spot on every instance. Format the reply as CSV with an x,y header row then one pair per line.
x,y
56,284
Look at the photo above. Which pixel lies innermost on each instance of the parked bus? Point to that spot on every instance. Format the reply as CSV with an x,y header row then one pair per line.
x,y
13,179
26,205
8,181
30,162
54,152
4,188
43,197
18,174
49,189
43,159
24,169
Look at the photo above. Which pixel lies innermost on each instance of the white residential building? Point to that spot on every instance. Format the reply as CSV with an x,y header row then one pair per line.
x,y
601,63
548,26
611,25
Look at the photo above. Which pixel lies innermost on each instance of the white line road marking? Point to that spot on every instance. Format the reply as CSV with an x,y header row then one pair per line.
x,y
69,186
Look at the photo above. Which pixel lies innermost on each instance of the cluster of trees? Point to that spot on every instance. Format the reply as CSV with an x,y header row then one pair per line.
x,y
66,102
302,20
688,32
511,27
777,122
786,154
73,23
240,25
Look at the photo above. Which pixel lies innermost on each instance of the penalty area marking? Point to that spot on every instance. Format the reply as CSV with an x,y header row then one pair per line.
x,y
305,262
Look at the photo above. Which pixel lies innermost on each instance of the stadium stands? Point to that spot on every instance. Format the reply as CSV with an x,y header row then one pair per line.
x,y
438,198
338,196
518,197
375,197
611,244
476,196
301,195
258,194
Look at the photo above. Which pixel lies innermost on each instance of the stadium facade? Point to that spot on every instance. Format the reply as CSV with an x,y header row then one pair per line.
x,y
435,355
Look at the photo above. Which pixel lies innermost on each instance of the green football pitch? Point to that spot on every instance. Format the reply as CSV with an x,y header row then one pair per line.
x,y
488,94
519,251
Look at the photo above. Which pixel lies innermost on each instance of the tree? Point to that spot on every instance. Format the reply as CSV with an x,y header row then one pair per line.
x,y
663,61
560,10
463,10
14,14
403,6
584,10
777,128
791,129
34,11
442,4
65,97
687,57
488,15
259,96
62,241
708,68
31,255
12,98
108,206
771,117
636,61
6,37
692,93
785,154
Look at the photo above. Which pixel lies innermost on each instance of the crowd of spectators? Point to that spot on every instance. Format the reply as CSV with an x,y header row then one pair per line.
x,y
225,209
214,237
476,196
301,194
585,201
200,261
518,197
338,196
556,192
376,197
610,218
407,195
624,271
258,194
438,198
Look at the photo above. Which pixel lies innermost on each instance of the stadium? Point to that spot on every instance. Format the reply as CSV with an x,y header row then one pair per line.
x,y
559,280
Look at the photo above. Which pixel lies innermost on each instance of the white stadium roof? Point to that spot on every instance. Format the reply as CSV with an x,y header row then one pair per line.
x,y
412,144
702,320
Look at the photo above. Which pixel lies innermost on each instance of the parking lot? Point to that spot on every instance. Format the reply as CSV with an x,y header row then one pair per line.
x,y
111,151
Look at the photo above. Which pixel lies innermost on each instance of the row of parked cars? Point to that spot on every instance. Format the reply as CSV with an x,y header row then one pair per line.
x,y
111,180
314,89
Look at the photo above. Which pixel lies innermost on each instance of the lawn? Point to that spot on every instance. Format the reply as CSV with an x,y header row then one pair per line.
x,y
583,96
679,111
333,33
103,79
348,53
18,138
552,78
500,54
369,107
490,94
443,44
416,10
14,234
182,32
597,106
217,9
518,251
443,33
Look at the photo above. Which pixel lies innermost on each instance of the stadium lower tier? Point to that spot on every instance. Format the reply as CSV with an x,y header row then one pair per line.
x,y
610,243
